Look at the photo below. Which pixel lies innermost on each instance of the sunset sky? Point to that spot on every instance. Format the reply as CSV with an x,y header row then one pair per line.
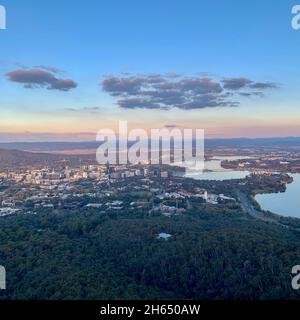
x,y
69,68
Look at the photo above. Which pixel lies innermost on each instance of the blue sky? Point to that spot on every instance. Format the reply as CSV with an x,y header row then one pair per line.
x,y
90,40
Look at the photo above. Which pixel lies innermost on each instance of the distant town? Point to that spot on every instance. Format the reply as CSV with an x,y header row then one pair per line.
x,y
31,182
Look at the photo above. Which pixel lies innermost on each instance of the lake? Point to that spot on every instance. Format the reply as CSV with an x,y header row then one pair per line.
x,y
286,203
217,172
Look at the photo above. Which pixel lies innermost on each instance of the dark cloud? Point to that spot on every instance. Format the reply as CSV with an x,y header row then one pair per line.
x,y
263,85
63,85
242,83
209,101
251,94
165,91
134,103
168,97
236,83
129,85
38,78
200,85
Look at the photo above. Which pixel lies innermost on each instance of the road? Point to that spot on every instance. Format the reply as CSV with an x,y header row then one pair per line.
x,y
247,207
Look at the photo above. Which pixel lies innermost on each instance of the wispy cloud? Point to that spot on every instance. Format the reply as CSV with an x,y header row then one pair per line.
x,y
85,109
170,126
244,83
49,68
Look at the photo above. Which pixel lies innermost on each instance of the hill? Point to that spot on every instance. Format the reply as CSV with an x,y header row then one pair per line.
x,y
10,158
87,255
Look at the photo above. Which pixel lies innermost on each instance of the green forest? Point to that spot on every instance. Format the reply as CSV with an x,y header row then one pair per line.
x,y
79,254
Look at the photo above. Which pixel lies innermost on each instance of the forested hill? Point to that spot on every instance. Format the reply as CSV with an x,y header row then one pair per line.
x,y
77,255
20,157
23,158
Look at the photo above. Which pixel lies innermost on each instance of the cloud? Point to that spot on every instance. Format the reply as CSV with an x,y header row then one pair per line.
x,y
85,109
128,85
242,83
63,85
251,94
170,126
71,109
38,78
48,68
134,103
235,83
166,91
199,85
263,85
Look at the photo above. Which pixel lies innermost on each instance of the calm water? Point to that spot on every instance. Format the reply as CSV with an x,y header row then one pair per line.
x,y
218,172
286,203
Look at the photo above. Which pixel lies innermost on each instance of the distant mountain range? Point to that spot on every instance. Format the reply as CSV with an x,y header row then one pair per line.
x,y
209,143
10,157
46,153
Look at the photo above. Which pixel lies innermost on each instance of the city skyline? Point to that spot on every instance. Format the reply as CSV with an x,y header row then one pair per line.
x,y
231,71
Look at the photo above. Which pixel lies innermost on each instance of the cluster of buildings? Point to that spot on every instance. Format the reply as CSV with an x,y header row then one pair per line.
x,y
273,162
101,188
54,176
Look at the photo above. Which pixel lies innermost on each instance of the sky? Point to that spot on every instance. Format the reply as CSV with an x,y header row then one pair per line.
x,y
70,68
